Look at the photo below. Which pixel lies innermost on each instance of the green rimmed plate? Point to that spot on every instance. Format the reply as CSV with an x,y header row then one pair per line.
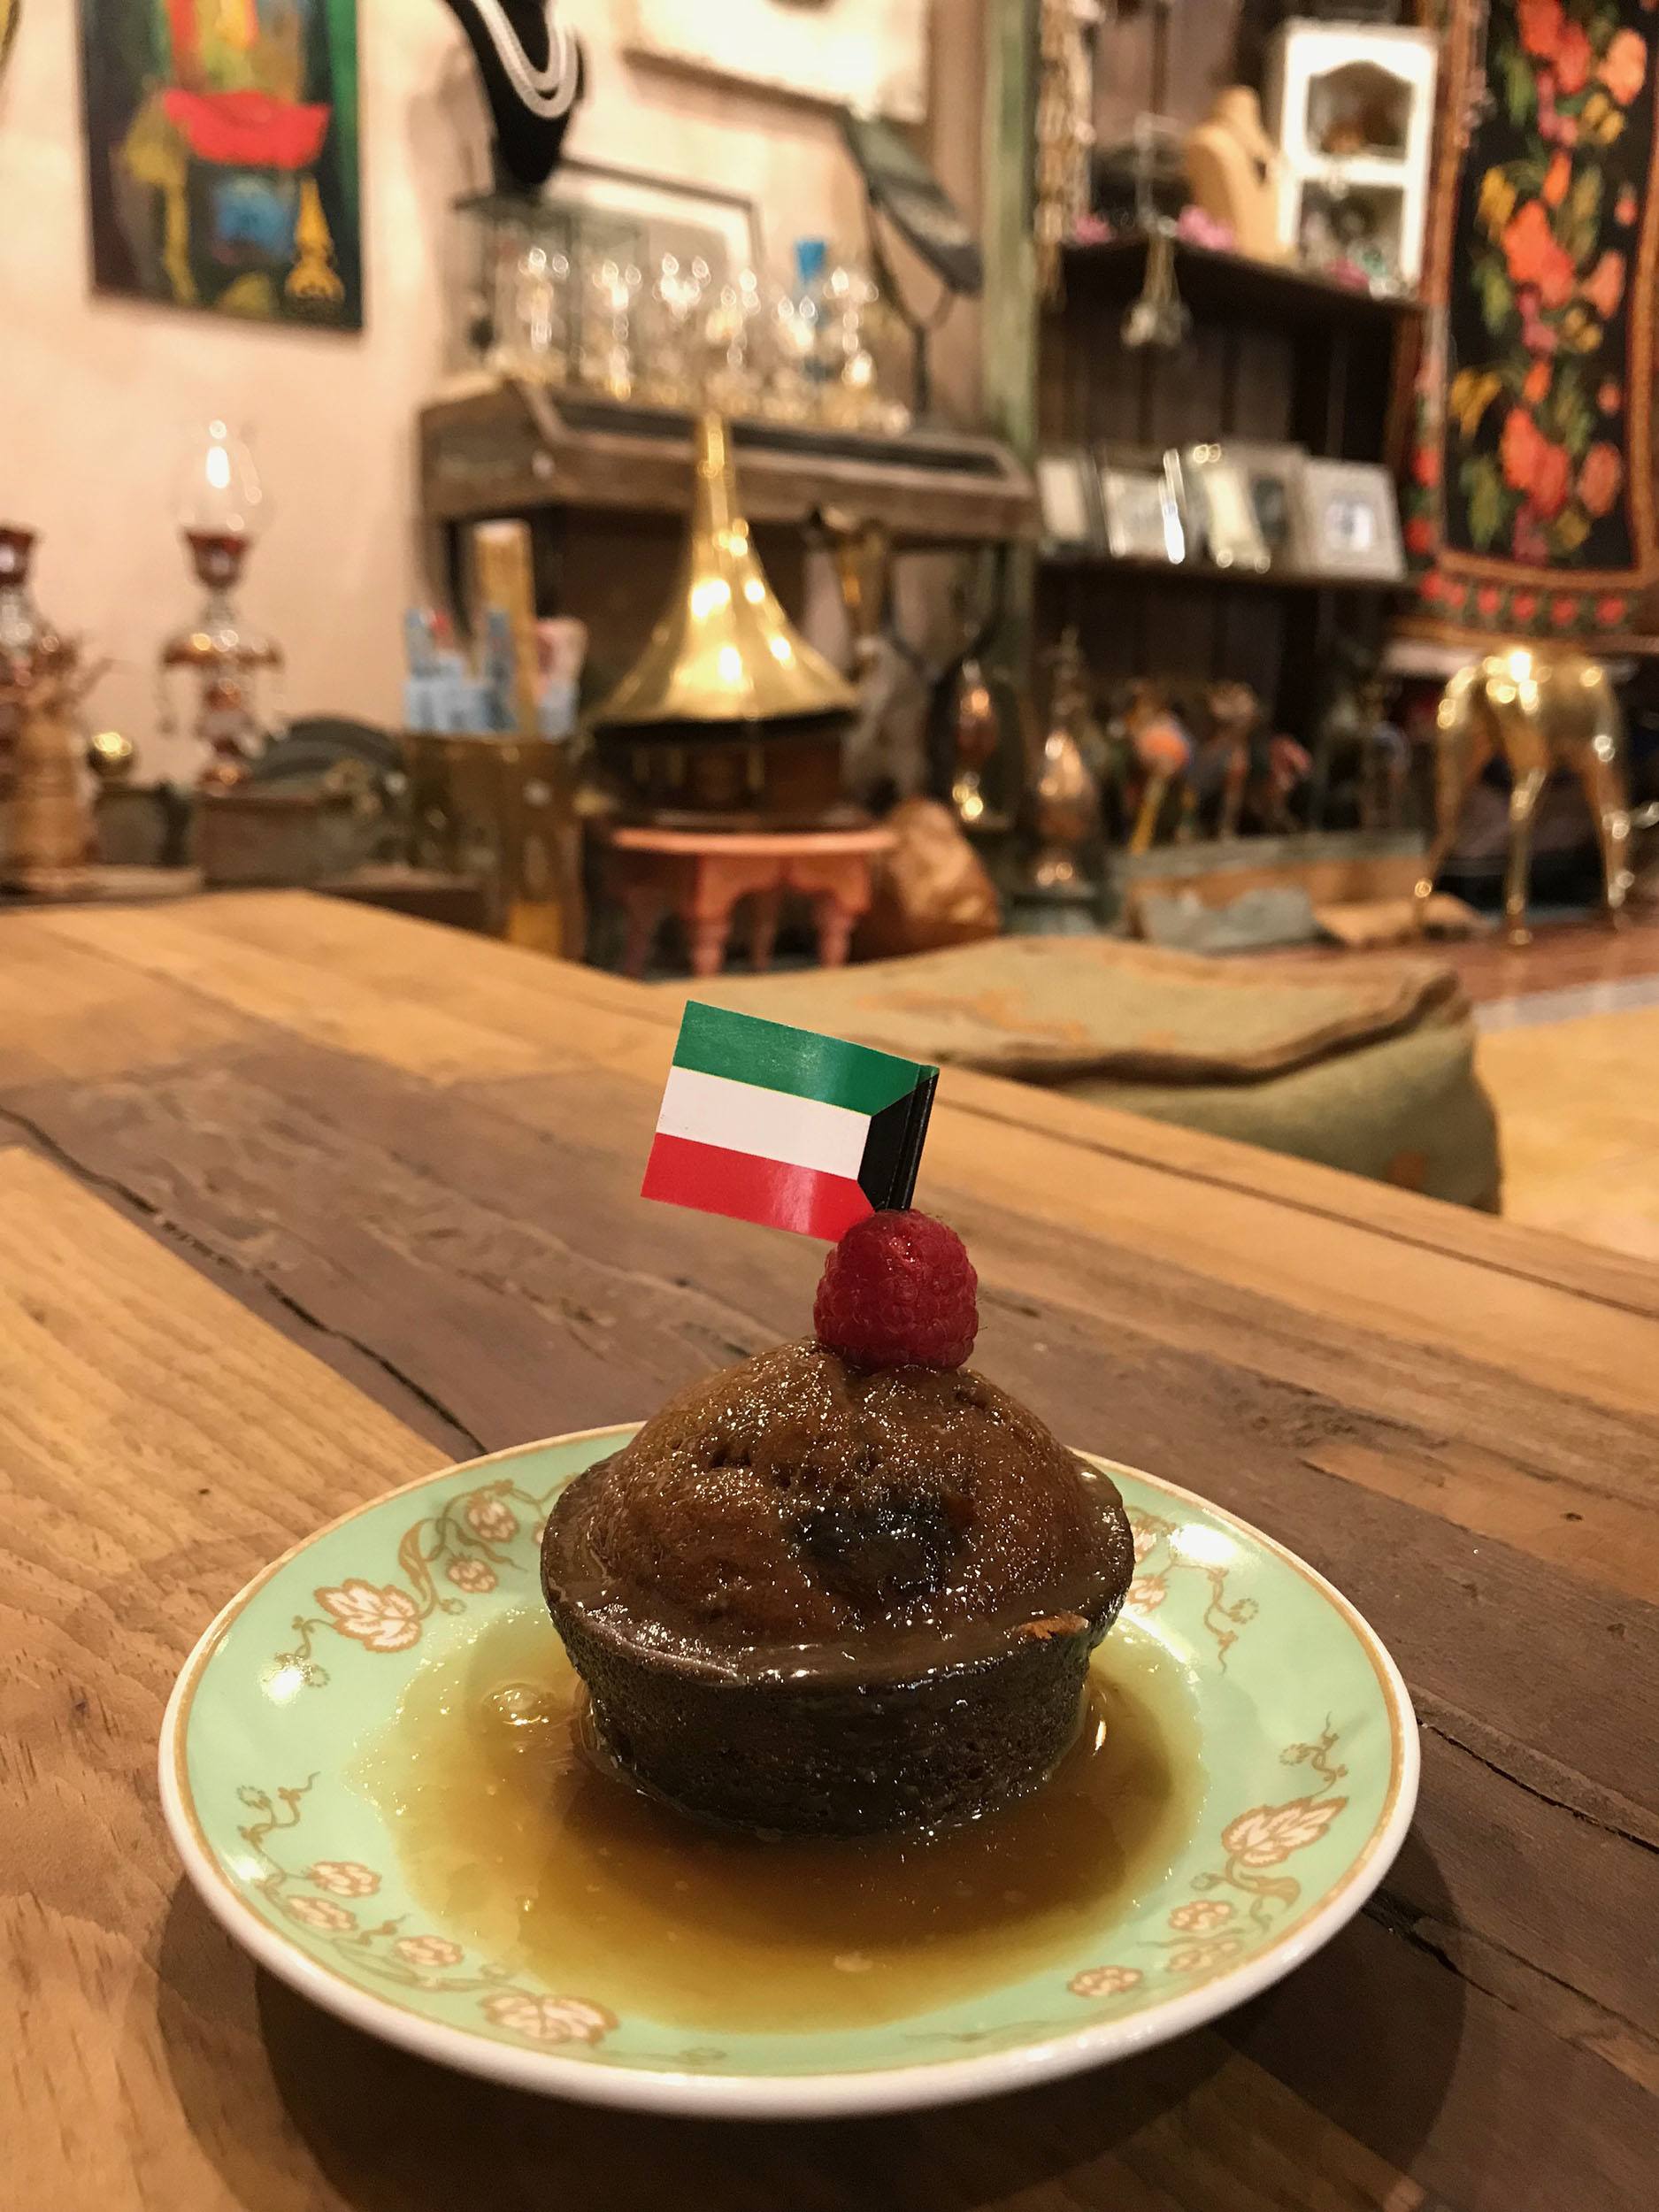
x,y
1289,1722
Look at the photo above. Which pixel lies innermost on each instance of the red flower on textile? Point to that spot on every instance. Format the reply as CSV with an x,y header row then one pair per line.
x,y
1523,606
1420,534
1604,287
1610,611
1625,66
1602,478
1542,22
1625,207
1556,178
1573,59
1537,384
1536,255
1488,601
1563,611
1610,398
1552,480
1518,450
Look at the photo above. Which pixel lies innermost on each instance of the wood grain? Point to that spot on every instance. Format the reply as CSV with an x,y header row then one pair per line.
x,y
147,2062
1456,1421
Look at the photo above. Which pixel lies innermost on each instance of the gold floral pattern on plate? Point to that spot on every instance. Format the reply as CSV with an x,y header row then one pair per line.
x,y
1224,1619
1209,1933
413,1962
467,1540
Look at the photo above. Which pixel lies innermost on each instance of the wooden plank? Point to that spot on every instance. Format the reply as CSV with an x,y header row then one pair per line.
x,y
66,1011
147,2064
498,987
487,1236
511,451
509,1267
332,1009
157,1445
1551,1505
1194,2145
1415,1296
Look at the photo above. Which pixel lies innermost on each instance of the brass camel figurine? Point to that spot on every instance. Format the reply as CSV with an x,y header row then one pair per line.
x,y
1542,712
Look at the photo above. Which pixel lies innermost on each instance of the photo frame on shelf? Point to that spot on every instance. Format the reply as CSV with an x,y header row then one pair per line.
x,y
1221,512
1273,475
637,217
1069,501
1349,519
1142,512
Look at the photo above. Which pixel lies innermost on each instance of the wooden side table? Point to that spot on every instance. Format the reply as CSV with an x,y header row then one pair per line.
x,y
700,875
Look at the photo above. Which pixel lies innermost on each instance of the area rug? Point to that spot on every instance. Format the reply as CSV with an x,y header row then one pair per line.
x,y
1529,509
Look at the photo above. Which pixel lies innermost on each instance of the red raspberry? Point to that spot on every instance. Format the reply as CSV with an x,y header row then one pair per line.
x,y
898,1290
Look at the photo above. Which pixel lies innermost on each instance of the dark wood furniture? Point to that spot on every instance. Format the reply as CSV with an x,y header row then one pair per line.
x,y
301,1201
607,487
1279,356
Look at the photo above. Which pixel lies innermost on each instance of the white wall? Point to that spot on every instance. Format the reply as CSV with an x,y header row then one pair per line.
x,y
97,395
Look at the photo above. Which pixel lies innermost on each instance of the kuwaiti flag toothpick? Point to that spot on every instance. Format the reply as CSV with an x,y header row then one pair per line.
x,y
787,1127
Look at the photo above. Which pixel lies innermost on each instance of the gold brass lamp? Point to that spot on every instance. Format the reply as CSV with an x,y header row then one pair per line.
x,y
728,718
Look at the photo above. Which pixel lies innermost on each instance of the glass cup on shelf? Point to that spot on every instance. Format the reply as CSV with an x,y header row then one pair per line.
x,y
610,341
734,345
534,317
674,365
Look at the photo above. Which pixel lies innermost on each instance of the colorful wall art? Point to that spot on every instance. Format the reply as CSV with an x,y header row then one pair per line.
x,y
221,143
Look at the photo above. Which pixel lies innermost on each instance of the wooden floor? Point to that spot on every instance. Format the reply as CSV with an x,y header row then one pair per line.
x,y
1563,955
1569,1052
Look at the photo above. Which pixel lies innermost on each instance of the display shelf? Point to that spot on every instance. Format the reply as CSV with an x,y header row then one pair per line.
x,y
514,447
1232,285
1279,578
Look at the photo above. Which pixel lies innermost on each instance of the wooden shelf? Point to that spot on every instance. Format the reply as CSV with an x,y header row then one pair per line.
x,y
1207,572
1233,287
513,448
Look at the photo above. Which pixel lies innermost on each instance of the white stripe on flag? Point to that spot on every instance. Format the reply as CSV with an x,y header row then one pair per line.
x,y
771,1124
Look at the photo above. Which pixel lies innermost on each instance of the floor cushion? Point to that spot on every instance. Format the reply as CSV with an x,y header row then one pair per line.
x,y
1365,1064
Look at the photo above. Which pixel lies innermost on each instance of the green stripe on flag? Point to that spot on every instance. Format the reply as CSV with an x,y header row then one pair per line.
x,y
713,1041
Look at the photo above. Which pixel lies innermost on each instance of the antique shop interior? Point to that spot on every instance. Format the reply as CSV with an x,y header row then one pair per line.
x,y
1106,543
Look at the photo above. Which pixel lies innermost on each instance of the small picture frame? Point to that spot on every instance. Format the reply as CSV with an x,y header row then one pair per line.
x,y
1069,501
1350,521
1143,513
1273,473
1220,510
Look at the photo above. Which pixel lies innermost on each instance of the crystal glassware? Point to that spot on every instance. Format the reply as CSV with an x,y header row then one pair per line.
x,y
610,336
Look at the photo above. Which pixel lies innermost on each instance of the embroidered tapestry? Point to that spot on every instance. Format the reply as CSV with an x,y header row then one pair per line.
x,y
1529,506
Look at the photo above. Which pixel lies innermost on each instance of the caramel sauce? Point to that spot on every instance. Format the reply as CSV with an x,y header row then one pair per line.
x,y
516,1834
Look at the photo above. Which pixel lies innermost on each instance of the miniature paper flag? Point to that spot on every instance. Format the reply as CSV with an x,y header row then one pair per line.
x,y
785,1127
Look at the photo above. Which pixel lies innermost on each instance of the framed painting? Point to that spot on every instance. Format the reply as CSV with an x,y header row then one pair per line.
x,y
868,55
221,147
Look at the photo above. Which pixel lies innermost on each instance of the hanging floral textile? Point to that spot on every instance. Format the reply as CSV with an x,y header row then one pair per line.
x,y
1529,503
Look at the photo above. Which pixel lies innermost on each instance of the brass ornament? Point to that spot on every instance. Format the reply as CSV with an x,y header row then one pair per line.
x,y
1065,791
1539,711
111,757
723,649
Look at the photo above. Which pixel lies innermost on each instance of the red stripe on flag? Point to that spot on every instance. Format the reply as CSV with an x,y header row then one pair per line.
x,y
716,1180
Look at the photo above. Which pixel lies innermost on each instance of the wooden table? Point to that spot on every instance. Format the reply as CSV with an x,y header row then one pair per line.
x,y
303,1200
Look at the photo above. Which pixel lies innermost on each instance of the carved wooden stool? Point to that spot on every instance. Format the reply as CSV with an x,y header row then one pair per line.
x,y
700,875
